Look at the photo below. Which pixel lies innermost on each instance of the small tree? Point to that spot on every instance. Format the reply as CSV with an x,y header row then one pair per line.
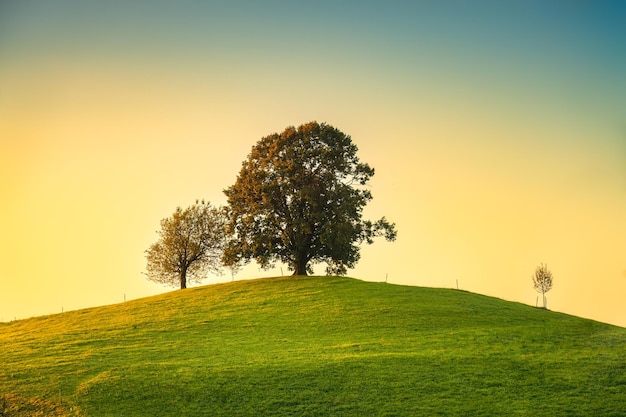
x,y
190,245
542,280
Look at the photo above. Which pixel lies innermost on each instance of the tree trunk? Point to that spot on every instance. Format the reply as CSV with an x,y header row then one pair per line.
x,y
300,267
183,278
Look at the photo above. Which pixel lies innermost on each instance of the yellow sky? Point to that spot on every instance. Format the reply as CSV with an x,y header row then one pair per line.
x,y
491,157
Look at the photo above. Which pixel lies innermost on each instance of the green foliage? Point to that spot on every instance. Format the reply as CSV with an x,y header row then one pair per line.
x,y
314,346
190,245
299,199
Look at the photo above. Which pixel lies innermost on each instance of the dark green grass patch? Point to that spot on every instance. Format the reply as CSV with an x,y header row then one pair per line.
x,y
317,346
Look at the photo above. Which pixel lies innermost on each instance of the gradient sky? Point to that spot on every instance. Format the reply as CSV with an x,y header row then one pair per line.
x,y
497,131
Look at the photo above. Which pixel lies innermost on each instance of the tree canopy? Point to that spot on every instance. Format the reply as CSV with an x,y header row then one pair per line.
x,y
299,199
190,245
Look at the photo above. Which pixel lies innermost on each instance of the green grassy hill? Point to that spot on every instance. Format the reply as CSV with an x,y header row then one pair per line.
x,y
312,346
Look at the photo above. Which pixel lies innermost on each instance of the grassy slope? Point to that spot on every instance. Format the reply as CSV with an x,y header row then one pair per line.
x,y
314,346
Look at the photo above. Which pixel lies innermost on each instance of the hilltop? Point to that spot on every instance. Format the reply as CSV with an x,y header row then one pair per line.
x,y
312,346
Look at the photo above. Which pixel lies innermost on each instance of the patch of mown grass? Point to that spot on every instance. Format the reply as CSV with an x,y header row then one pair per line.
x,y
16,406
313,346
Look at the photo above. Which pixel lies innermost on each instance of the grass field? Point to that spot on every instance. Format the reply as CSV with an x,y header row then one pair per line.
x,y
312,346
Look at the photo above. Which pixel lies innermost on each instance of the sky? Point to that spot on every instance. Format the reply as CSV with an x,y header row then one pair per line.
x,y
497,131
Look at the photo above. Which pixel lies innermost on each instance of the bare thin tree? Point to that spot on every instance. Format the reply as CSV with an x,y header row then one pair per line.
x,y
542,281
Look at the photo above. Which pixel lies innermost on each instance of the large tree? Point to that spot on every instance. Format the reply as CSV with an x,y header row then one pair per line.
x,y
190,245
299,199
